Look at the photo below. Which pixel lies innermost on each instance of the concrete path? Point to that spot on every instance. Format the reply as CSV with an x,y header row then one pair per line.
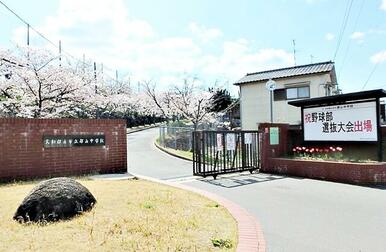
x,y
296,214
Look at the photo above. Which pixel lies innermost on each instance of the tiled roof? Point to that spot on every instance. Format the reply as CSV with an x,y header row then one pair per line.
x,y
287,72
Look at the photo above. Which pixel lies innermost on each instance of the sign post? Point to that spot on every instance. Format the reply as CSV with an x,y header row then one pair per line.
x,y
271,85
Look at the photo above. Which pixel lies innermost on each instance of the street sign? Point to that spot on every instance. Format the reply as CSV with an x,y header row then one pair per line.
x,y
270,85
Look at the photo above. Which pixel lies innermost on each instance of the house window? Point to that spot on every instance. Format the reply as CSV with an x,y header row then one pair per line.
x,y
298,92
279,94
282,94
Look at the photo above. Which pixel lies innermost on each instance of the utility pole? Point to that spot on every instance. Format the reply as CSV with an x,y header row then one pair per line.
x,y
84,64
95,78
294,48
101,75
312,58
60,53
116,77
28,41
27,34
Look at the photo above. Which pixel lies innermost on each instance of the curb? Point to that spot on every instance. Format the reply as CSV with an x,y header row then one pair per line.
x,y
170,153
137,130
250,234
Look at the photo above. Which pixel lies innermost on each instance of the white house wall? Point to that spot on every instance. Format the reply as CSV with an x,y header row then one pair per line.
x,y
254,100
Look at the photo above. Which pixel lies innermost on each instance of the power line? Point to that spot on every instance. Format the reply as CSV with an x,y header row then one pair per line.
x,y
371,74
343,28
26,23
14,13
49,41
349,43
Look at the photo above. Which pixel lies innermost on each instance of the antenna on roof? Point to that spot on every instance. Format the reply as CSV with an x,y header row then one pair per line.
x,y
312,58
294,46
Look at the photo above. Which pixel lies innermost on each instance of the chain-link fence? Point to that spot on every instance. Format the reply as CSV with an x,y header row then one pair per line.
x,y
178,138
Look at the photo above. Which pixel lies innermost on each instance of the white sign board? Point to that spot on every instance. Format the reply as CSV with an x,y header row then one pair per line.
x,y
219,141
345,122
248,138
231,141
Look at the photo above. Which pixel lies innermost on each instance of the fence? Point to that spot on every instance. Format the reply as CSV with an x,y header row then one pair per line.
x,y
219,152
178,138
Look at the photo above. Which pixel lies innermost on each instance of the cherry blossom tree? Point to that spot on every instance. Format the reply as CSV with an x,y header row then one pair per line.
x,y
187,100
160,100
192,102
34,83
39,86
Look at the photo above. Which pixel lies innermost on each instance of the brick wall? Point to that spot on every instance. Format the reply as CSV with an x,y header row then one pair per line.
x,y
352,173
22,155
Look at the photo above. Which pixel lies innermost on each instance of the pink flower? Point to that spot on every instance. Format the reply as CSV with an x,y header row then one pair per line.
x,y
294,149
339,148
303,148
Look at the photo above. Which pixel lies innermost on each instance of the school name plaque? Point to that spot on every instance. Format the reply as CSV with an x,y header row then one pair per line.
x,y
73,141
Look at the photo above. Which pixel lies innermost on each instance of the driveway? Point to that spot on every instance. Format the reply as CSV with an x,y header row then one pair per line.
x,y
145,159
296,214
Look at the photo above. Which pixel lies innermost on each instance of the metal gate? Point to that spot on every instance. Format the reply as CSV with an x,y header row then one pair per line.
x,y
220,152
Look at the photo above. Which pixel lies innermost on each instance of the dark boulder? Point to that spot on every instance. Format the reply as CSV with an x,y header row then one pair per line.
x,y
55,199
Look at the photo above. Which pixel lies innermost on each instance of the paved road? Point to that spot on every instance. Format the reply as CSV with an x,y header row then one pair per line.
x,y
296,214
145,159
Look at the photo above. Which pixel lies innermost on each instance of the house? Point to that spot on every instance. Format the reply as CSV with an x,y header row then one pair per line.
x,y
298,82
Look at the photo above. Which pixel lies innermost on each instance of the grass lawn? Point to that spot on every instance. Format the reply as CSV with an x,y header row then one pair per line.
x,y
180,153
130,215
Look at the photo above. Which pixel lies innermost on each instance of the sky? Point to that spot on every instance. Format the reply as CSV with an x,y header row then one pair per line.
x,y
215,41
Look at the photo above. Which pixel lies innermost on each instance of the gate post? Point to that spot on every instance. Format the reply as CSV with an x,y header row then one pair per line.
x,y
243,150
269,150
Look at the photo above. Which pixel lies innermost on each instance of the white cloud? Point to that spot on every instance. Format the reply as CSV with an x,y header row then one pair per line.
x,y
357,35
378,57
313,1
105,32
377,31
383,5
238,58
203,33
329,36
